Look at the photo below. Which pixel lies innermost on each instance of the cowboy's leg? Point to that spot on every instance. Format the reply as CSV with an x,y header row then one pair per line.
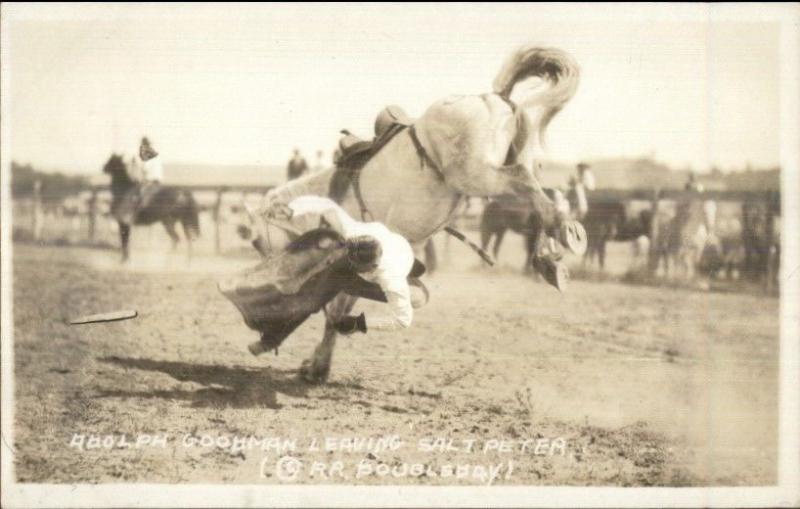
x,y
146,193
318,366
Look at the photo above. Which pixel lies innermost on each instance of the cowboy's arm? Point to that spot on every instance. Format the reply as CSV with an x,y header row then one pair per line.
x,y
588,180
393,280
398,297
392,277
402,313
301,214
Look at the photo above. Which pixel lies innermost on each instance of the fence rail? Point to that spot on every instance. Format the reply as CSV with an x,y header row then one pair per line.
x,y
215,209
31,213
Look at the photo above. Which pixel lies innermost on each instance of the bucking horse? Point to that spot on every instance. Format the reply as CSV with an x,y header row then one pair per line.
x,y
415,178
168,205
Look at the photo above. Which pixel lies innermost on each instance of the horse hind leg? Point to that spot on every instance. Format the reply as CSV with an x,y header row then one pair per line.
x,y
498,240
317,368
187,233
169,226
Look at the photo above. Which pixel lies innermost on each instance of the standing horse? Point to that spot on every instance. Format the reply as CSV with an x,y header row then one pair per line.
x,y
683,238
510,212
613,221
761,237
168,206
478,145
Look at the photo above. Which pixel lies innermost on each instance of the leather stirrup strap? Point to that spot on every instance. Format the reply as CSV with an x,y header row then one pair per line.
x,y
422,153
424,158
366,215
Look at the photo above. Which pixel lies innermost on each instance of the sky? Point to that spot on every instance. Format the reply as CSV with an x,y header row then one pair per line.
x,y
243,84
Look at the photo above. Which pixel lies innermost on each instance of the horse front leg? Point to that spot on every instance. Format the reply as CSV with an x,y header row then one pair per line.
x,y
570,233
531,246
317,368
124,237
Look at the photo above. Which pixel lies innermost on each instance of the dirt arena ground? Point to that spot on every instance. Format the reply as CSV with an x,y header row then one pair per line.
x,y
606,384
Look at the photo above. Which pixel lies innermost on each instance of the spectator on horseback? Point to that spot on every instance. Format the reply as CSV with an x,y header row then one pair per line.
x,y
297,166
579,185
375,253
152,172
693,184
320,164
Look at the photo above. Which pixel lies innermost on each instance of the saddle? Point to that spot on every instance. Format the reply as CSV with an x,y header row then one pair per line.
x,y
391,120
355,152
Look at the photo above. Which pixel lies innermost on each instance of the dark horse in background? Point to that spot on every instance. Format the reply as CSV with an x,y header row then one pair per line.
x,y
605,220
761,242
612,221
168,206
509,212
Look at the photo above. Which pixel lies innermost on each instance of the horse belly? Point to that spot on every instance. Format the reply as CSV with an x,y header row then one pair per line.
x,y
407,196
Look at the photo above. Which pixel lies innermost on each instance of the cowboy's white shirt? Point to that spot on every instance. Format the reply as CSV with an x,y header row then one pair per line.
x,y
588,180
393,267
152,169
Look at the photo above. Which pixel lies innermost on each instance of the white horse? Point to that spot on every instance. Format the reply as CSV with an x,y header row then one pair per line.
x,y
478,145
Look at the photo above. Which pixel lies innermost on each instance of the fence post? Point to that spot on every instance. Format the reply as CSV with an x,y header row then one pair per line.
x,y
92,214
655,234
217,219
37,210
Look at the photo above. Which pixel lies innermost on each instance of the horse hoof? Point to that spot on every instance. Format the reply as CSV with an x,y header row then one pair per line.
x,y
573,237
561,277
312,374
554,272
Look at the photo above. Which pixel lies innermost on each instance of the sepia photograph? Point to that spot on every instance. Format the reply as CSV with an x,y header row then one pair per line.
x,y
429,254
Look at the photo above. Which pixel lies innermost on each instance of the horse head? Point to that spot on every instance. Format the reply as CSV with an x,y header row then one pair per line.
x,y
120,180
115,166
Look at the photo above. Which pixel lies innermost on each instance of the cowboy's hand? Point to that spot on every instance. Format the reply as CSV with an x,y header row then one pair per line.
x,y
279,211
350,324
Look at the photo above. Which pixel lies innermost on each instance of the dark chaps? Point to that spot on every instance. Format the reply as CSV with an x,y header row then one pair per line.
x,y
288,286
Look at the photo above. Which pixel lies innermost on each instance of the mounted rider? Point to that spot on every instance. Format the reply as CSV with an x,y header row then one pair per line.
x,y
152,172
578,186
692,184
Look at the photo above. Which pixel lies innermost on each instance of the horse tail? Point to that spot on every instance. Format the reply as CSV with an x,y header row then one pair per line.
x,y
190,216
551,64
